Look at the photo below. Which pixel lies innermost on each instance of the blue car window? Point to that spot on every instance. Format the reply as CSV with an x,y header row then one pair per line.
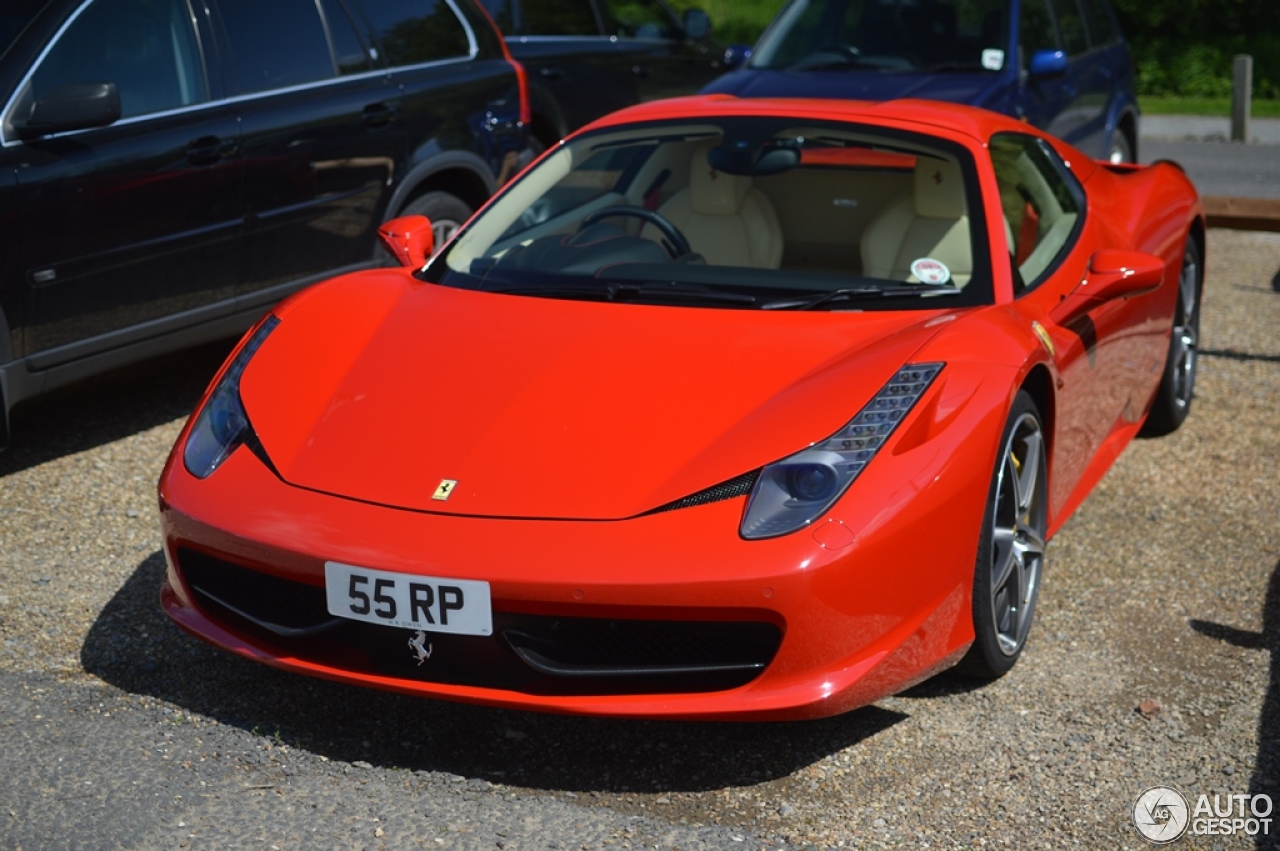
x,y
558,17
1071,26
146,47
1102,26
276,45
1036,31
901,35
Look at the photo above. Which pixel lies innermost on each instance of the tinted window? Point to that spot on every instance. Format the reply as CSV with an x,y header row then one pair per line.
x,y
1071,26
410,32
544,17
559,17
145,47
276,44
14,17
641,19
1041,204
1102,27
351,53
888,35
1036,31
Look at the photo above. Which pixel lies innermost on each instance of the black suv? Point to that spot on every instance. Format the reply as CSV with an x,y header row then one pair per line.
x,y
171,168
586,58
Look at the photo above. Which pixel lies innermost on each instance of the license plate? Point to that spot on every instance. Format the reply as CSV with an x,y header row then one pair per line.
x,y
429,603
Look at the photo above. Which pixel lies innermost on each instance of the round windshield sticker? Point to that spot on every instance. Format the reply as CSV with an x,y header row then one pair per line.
x,y
992,59
930,271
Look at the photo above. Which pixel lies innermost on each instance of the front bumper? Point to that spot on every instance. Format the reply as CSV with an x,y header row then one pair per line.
x,y
815,623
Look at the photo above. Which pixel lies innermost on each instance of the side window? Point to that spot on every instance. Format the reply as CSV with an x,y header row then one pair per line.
x,y
1102,27
1071,25
351,53
503,13
411,32
645,19
559,17
276,44
1036,31
146,47
1041,203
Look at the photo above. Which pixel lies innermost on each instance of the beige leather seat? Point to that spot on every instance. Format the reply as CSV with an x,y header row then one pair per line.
x,y
930,223
726,219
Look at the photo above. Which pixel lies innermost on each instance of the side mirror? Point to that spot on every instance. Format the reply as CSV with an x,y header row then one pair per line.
x,y
1113,274
78,106
1047,63
697,25
409,239
736,55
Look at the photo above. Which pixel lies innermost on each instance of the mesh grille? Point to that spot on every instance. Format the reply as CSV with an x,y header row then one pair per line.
x,y
740,486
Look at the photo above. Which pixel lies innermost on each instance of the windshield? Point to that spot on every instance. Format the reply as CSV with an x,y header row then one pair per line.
x,y
891,35
753,213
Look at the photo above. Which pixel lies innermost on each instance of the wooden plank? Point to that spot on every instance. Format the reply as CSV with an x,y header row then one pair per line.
x,y
1242,213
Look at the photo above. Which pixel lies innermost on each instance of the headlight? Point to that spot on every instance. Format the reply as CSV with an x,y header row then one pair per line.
x,y
222,424
793,492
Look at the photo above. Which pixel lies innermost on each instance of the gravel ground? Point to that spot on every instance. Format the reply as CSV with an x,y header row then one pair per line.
x,y
1154,661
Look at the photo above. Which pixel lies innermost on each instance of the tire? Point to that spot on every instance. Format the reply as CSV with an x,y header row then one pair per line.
x,y
1173,397
1010,563
1121,150
447,213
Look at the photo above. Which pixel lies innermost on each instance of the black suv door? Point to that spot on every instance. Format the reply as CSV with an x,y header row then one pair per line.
x,y
321,136
123,225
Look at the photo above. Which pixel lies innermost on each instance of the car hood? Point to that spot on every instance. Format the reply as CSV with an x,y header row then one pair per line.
x,y
378,390
976,89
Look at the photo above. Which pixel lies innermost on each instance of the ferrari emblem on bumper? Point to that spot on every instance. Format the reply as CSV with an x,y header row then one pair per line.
x,y
420,648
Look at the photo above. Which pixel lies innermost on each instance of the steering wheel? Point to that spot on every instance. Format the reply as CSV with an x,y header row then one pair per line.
x,y
678,245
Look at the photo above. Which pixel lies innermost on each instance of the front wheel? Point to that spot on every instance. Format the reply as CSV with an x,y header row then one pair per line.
x,y
1172,401
1006,581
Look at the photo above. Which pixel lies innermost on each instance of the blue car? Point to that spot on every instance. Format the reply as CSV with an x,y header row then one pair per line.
x,y
1061,65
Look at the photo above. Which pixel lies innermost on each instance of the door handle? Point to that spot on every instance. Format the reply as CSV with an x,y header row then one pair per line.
x,y
551,72
640,71
378,115
210,149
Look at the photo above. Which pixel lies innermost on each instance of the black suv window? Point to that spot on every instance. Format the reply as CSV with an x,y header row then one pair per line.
x,y
411,32
544,17
145,47
276,44
1041,201
641,19
351,53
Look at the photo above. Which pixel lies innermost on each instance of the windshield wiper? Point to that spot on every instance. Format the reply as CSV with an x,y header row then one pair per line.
x,y
954,66
828,297
628,292
827,59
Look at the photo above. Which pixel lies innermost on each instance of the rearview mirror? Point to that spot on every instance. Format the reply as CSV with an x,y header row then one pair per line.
x,y
1113,273
1047,63
409,239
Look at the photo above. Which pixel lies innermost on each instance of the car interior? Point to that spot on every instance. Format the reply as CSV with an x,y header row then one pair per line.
x,y
820,201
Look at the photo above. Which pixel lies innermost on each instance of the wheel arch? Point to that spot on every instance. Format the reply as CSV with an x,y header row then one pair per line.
x,y
459,173
1039,386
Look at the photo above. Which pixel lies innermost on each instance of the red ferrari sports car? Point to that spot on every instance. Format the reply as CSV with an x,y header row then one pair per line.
x,y
722,409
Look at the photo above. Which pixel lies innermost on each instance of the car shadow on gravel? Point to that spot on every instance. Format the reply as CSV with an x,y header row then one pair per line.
x,y
133,646
110,406
1266,773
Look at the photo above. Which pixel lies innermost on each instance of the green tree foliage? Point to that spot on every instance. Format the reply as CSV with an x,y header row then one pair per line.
x,y
1185,47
